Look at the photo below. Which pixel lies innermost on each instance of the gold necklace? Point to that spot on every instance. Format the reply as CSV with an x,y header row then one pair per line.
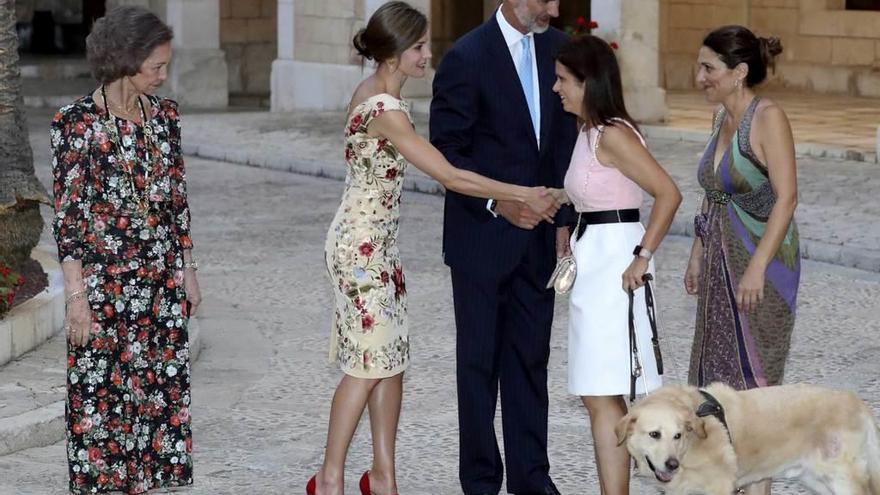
x,y
142,199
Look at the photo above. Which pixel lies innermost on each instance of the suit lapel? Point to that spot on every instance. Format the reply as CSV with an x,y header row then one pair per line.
x,y
500,54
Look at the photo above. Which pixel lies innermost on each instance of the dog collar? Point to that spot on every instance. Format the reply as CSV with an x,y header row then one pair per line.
x,y
713,408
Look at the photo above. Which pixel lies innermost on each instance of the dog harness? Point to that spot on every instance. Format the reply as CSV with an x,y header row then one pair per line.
x,y
713,408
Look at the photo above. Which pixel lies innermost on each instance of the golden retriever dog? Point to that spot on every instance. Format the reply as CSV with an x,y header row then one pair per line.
x,y
825,438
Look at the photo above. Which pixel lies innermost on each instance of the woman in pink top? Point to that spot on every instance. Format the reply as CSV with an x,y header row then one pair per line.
x,y
610,167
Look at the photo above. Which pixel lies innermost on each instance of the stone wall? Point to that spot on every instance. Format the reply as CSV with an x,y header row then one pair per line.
x,y
826,49
248,37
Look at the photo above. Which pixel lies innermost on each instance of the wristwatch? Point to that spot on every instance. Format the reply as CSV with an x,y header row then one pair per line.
x,y
642,252
490,205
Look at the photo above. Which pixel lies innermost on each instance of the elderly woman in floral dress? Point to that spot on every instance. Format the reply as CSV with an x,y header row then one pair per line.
x,y
122,228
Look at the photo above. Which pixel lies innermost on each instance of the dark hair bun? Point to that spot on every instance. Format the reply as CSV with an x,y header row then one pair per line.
x,y
391,30
770,48
360,45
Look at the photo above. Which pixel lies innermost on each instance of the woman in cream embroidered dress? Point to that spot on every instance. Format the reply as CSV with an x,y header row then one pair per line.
x,y
370,336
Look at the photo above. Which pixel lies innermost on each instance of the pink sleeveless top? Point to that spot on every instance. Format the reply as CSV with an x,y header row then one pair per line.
x,y
593,186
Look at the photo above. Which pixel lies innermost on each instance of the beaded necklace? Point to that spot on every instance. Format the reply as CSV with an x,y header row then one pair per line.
x,y
128,158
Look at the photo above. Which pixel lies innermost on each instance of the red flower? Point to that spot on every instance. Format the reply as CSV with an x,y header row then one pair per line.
x,y
594,24
391,173
366,249
385,277
581,21
367,322
94,454
355,123
399,283
613,45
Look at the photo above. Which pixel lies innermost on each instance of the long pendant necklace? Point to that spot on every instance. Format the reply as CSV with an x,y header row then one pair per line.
x,y
141,199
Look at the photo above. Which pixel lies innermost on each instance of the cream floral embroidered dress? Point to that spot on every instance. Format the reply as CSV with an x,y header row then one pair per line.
x,y
370,335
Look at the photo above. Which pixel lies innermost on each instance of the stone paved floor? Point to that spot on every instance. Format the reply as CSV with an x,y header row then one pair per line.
x,y
831,120
262,385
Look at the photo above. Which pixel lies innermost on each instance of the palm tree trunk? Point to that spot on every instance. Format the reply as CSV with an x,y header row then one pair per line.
x,y
20,191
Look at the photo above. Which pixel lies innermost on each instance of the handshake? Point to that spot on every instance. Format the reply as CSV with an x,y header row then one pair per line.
x,y
540,203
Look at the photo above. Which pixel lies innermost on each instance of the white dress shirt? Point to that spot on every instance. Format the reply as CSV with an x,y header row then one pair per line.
x,y
513,38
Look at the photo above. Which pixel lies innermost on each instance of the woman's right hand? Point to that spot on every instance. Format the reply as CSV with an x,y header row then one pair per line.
x,y
78,322
692,273
543,202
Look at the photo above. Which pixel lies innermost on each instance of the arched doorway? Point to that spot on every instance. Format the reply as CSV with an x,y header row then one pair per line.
x,y
452,19
56,26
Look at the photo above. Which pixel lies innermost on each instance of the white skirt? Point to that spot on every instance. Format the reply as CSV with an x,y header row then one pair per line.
x,y
598,329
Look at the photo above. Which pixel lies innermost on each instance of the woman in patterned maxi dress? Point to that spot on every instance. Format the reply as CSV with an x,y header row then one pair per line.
x,y
745,262
370,338
122,228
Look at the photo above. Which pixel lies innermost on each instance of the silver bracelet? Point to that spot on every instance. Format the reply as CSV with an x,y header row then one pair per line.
x,y
191,264
78,294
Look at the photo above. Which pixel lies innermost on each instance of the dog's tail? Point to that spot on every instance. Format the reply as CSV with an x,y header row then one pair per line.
x,y
873,454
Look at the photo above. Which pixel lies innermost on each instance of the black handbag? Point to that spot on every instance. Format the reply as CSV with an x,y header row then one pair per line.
x,y
635,365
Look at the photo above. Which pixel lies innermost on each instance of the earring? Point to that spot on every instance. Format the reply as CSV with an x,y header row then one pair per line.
x,y
738,83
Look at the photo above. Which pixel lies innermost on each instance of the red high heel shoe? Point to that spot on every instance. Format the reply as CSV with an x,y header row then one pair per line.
x,y
365,484
312,485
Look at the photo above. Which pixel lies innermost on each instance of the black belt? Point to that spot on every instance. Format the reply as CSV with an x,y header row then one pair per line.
x,y
608,216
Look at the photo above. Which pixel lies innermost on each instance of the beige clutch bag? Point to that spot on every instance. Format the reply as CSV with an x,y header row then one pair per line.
x,y
562,278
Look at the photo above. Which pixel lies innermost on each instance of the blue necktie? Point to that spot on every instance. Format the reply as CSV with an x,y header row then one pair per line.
x,y
525,77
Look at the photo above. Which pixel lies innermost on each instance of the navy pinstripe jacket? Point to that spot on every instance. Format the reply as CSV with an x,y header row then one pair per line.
x,y
480,121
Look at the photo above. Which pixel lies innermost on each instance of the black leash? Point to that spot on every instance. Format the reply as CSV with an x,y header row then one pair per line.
x,y
635,365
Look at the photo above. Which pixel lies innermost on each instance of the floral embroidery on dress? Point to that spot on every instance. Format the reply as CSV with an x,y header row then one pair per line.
x,y
128,389
370,337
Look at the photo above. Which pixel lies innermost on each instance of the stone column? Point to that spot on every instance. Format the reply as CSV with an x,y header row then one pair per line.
x,y
198,77
316,68
634,25
311,71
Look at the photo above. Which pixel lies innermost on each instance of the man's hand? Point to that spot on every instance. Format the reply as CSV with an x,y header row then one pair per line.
x,y
518,214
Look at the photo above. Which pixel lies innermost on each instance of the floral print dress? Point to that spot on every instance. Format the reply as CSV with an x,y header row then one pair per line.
x,y
128,388
370,337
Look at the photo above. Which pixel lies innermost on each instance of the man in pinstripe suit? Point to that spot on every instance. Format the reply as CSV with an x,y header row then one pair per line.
x,y
493,112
